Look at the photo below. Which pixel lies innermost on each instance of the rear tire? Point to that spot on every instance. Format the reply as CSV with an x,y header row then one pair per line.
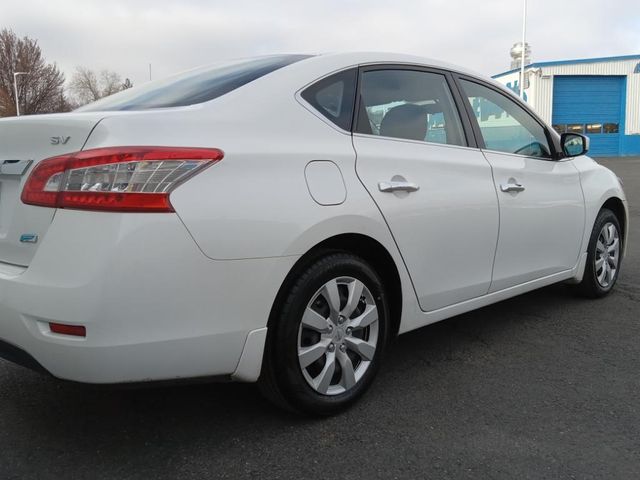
x,y
604,256
327,337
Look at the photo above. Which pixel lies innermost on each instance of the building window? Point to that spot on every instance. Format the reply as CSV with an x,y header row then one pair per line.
x,y
589,128
594,128
611,128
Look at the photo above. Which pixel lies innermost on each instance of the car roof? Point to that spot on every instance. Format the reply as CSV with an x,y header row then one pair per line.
x,y
345,59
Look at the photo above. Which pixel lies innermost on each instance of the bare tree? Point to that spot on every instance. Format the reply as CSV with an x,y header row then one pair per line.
x,y
41,91
88,86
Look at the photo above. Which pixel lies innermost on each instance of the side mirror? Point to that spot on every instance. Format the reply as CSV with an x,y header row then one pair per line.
x,y
574,144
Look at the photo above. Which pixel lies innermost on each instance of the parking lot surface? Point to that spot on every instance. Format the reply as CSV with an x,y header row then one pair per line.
x,y
545,385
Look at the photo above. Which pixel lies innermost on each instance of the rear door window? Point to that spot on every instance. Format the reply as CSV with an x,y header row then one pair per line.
x,y
409,104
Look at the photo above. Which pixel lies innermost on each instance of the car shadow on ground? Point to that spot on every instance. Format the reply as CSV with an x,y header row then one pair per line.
x,y
76,411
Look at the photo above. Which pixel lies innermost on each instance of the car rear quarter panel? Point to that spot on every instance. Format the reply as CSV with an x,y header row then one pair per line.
x,y
255,203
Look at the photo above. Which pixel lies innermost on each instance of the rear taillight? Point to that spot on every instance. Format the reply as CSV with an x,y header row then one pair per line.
x,y
120,179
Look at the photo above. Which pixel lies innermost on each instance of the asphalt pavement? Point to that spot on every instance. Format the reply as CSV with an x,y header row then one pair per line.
x,y
545,385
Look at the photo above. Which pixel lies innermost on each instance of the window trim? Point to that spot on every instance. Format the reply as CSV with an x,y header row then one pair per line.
x,y
468,140
554,143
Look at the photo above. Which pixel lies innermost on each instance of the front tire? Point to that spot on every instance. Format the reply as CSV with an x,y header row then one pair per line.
x,y
327,337
604,256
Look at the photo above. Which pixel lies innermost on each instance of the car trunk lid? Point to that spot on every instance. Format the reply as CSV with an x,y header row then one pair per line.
x,y
24,142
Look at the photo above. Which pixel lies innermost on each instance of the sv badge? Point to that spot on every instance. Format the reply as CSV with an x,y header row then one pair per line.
x,y
59,140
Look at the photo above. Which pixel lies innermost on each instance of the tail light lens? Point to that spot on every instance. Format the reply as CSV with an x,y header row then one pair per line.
x,y
119,179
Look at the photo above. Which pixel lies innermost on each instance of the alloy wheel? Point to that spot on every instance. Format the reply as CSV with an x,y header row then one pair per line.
x,y
338,336
607,255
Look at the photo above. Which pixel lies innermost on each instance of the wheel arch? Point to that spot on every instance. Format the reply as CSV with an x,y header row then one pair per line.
x,y
616,205
363,246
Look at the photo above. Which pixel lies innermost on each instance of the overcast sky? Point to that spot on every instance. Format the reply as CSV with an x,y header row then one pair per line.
x,y
172,35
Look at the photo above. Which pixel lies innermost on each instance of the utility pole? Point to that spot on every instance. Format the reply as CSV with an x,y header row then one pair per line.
x,y
15,89
149,72
524,49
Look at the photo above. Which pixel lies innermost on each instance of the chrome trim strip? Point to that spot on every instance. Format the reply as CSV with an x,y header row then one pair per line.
x,y
15,167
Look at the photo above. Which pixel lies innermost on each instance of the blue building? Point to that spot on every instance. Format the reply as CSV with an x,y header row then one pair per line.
x,y
599,97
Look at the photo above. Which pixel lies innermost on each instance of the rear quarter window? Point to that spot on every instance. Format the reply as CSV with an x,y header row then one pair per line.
x,y
334,97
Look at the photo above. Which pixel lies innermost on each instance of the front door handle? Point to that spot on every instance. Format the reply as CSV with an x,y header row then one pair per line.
x,y
398,186
512,187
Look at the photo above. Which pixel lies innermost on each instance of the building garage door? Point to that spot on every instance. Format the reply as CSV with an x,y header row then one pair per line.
x,y
593,105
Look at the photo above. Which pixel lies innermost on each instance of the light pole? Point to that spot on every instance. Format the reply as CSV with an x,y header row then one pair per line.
x,y
15,88
524,39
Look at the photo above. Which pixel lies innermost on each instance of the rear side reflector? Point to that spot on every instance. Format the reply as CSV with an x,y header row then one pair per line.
x,y
74,330
117,179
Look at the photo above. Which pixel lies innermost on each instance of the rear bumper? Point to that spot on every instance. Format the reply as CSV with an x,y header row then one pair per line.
x,y
20,357
154,307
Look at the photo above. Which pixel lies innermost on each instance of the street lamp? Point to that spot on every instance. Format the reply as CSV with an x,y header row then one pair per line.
x,y
15,88
524,44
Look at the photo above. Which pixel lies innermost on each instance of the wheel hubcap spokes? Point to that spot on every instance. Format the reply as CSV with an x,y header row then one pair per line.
x,y
338,336
607,254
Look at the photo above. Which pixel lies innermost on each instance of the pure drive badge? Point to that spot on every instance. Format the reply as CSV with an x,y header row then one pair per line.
x,y
29,238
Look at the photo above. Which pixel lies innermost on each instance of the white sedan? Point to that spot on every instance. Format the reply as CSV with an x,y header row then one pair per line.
x,y
280,219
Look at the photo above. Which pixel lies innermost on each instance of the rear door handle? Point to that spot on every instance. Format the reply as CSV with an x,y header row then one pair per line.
x,y
398,186
512,187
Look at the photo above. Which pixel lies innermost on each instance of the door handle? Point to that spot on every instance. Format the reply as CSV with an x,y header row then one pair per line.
x,y
511,187
398,186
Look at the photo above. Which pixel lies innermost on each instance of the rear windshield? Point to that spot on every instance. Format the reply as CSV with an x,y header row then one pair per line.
x,y
195,86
